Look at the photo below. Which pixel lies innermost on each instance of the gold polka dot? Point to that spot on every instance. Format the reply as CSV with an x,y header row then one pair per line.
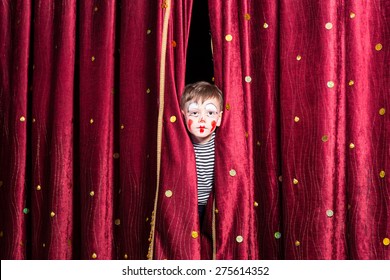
x,y
117,222
352,15
125,256
91,121
52,214
228,37
351,83
94,256
255,204
329,213
246,134
122,126
351,145
297,243
295,181
1,183
115,156
1,233
325,138
330,84
38,188
382,111
216,211
378,47
382,174
280,178
93,58
22,119
91,193
148,90
148,31
239,238
247,16
147,219
227,106
248,79
43,245
174,44
296,119
194,234
172,119
232,172
33,120
386,241
213,79
258,143
265,25
328,25
299,57
168,193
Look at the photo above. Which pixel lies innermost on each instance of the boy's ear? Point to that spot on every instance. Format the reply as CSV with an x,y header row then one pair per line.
x,y
219,119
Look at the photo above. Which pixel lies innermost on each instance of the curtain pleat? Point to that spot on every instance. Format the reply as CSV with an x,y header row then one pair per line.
x,y
52,156
15,24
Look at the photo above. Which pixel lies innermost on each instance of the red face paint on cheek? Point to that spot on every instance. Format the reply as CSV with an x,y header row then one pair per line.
x,y
213,125
189,124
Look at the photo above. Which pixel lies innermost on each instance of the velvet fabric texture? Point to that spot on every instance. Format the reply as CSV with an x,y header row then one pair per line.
x,y
301,155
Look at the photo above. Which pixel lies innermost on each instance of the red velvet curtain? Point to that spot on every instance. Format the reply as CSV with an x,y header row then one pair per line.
x,y
96,163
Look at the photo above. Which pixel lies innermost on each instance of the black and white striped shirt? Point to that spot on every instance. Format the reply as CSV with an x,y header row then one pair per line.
x,y
204,156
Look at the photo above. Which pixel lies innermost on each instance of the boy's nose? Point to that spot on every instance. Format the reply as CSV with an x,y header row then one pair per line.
x,y
201,119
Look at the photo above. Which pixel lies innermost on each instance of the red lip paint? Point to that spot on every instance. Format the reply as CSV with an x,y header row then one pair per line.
x,y
201,129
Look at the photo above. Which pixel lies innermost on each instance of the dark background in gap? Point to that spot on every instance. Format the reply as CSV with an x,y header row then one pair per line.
x,y
199,58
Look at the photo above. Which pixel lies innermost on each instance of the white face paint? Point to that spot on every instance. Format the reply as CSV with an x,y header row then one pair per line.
x,y
193,106
211,107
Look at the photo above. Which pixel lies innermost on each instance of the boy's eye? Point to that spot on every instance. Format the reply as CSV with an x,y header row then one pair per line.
x,y
211,113
194,114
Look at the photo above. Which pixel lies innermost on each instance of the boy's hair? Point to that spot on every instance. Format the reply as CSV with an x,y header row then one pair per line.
x,y
201,91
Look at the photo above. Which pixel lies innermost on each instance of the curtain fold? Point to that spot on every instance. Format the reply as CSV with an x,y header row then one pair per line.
x,y
51,97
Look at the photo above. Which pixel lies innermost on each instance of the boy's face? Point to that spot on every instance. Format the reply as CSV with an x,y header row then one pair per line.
x,y
202,118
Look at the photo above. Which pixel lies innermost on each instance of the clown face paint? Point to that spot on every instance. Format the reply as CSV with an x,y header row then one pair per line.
x,y
202,118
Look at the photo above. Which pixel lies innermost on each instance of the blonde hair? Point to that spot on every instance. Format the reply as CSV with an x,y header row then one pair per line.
x,y
200,91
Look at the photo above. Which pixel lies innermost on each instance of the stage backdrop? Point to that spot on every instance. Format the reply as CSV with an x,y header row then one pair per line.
x,y
96,163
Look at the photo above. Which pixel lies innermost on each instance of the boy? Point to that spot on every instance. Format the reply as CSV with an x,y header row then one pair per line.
x,y
201,105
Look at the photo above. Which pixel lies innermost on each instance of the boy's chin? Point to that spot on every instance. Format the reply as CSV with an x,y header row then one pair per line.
x,y
200,138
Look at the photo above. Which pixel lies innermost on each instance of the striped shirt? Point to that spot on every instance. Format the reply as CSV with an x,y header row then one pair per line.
x,y
204,156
